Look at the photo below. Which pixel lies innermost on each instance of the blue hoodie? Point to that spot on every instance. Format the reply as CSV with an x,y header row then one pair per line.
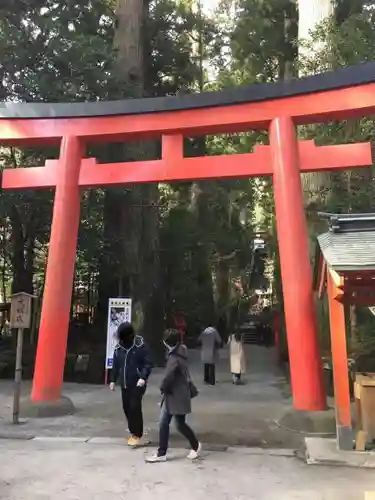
x,y
129,365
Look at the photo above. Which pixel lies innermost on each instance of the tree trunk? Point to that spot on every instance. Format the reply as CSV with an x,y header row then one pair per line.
x,y
311,14
222,284
152,292
109,269
201,257
199,199
18,251
128,41
29,262
139,264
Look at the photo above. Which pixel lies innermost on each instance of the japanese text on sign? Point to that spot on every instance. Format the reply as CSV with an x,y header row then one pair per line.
x,y
20,311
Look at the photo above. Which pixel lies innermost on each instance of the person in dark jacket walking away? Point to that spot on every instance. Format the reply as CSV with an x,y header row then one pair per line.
x,y
177,393
211,343
131,369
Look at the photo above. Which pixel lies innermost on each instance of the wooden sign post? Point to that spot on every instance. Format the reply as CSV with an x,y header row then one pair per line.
x,y
20,318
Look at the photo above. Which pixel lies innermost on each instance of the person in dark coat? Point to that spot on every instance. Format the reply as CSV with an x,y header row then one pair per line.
x,y
131,369
211,342
176,402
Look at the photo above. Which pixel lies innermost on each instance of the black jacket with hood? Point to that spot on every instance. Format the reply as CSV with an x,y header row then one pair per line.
x,y
131,364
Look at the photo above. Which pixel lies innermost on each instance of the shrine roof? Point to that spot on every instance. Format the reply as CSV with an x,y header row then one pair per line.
x,y
349,244
351,76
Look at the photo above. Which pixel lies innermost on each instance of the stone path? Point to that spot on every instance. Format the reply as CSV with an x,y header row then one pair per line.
x,y
37,470
223,415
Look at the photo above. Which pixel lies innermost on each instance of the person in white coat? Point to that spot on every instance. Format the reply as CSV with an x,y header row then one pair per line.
x,y
237,357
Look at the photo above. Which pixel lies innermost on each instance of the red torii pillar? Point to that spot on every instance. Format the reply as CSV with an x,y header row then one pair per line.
x,y
285,159
299,307
54,321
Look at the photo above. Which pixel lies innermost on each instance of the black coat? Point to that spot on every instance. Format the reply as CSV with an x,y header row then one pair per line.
x,y
175,383
129,365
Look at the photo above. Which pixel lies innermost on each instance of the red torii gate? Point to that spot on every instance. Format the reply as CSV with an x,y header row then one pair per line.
x,y
348,93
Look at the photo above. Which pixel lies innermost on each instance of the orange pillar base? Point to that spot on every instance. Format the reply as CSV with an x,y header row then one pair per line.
x,y
305,362
54,323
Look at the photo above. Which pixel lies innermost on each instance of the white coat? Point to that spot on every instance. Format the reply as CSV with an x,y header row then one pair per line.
x,y
237,356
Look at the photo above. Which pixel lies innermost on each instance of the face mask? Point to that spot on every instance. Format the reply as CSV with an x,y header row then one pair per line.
x,y
128,340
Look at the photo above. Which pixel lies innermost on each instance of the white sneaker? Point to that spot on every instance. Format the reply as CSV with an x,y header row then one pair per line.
x,y
193,455
153,459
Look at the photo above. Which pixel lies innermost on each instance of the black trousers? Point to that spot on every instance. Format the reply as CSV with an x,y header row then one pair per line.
x,y
209,374
132,406
182,428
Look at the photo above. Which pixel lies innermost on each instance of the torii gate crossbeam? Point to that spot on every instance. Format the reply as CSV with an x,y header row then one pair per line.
x,y
176,167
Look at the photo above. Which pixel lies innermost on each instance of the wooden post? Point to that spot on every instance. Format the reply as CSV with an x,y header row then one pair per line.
x,y
344,430
18,377
20,318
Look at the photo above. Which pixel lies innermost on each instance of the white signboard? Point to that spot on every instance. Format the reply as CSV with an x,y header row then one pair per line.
x,y
20,310
119,311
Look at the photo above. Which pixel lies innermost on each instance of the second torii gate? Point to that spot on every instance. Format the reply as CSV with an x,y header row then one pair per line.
x,y
172,119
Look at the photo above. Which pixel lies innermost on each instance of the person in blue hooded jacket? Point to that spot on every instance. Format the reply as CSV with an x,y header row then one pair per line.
x,y
131,369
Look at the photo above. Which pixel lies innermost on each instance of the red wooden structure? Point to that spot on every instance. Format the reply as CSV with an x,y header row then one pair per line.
x,y
345,270
278,108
